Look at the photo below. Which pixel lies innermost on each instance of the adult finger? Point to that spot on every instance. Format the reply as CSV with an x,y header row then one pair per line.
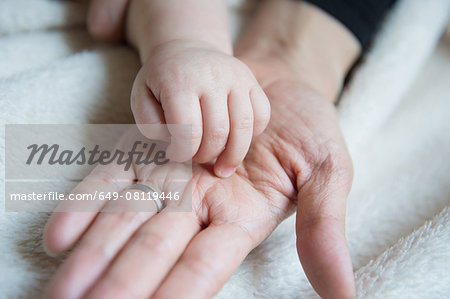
x,y
208,262
240,137
72,218
321,242
216,127
106,19
148,257
112,229
97,248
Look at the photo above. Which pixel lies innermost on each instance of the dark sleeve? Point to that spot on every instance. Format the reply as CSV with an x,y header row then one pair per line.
x,y
361,17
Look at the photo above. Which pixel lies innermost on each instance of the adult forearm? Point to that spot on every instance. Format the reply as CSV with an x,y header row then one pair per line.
x,y
309,44
154,22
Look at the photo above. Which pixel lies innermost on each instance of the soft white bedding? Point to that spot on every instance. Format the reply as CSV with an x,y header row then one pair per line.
x,y
394,114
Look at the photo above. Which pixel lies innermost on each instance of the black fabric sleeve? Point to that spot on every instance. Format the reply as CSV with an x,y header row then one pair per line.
x,y
361,17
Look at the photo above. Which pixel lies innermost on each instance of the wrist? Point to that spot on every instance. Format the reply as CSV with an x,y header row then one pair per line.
x,y
308,45
150,24
147,52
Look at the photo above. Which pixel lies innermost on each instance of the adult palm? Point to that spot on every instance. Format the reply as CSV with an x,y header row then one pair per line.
x,y
299,162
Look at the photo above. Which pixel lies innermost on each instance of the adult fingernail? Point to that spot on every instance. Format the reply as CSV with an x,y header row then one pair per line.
x,y
49,252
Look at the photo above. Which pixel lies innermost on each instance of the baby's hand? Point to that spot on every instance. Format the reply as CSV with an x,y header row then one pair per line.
x,y
191,83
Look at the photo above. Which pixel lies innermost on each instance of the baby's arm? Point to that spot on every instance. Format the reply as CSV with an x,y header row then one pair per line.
x,y
152,23
189,76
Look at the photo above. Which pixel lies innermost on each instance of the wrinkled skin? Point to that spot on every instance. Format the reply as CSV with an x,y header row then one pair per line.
x,y
300,162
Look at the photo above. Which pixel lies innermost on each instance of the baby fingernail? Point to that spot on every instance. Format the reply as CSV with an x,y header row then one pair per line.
x,y
226,172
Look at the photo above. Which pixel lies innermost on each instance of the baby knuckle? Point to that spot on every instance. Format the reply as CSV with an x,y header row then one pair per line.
x,y
196,133
261,119
245,123
219,134
166,93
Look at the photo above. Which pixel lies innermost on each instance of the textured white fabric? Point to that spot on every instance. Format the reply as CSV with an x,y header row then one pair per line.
x,y
394,114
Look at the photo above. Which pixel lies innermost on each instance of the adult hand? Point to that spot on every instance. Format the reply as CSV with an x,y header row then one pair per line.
x,y
300,162
301,55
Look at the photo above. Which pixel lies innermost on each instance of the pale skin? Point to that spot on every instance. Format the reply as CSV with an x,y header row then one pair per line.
x,y
190,76
298,164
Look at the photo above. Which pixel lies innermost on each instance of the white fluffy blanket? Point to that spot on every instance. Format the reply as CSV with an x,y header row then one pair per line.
x,y
394,113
